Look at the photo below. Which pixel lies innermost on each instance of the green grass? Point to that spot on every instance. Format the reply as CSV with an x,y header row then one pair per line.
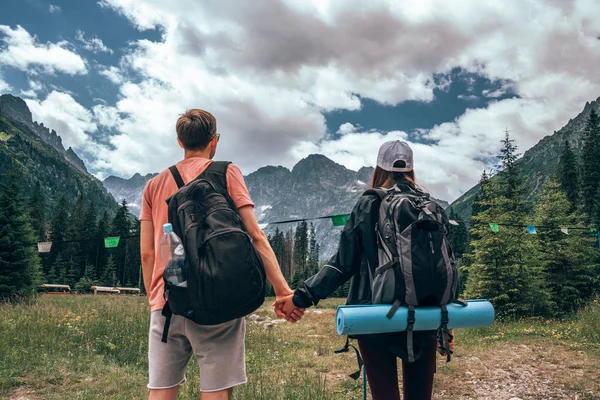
x,y
95,347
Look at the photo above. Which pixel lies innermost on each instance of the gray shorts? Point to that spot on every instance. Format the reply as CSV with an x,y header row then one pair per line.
x,y
219,351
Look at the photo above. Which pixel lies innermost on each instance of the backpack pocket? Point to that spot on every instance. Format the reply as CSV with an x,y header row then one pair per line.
x,y
231,270
384,283
178,298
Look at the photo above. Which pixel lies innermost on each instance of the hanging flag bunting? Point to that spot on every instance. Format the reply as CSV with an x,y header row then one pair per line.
x,y
263,226
111,242
565,230
494,227
593,230
453,222
531,229
44,247
340,220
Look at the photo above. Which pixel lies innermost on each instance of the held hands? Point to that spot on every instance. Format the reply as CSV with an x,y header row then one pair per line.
x,y
284,307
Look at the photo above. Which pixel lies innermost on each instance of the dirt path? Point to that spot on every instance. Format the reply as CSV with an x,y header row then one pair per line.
x,y
523,371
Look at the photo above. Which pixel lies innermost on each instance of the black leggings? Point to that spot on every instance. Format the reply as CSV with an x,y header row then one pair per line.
x,y
382,370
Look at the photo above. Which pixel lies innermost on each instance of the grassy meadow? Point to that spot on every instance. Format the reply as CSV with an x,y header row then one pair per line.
x,y
94,347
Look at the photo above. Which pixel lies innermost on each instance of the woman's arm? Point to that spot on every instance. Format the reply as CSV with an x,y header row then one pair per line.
x,y
346,262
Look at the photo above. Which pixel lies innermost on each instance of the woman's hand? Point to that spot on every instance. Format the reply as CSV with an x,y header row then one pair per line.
x,y
285,308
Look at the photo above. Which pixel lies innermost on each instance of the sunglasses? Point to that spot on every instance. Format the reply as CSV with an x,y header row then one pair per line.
x,y
218,135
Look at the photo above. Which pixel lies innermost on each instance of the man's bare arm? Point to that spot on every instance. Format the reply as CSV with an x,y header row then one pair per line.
x,y
147,252
263,247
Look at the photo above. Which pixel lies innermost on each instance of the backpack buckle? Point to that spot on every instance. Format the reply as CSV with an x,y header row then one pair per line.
x,y
411,317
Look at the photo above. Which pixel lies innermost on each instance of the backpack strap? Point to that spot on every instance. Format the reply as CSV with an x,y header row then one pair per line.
x,y
379,192
409,334
176,176
345,349
444,335
216,173
167,313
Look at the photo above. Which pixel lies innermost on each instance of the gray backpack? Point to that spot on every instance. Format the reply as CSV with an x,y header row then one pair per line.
x,y
416,264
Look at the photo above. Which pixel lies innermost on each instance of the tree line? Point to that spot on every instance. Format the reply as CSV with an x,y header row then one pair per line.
x,y
77,257
298,254
551,273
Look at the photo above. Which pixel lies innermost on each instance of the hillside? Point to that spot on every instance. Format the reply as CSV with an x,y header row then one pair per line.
x,y
22,148
315,187
541,161
17,110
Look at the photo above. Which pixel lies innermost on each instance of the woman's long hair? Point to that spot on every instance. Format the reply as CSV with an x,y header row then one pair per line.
x,y
386,179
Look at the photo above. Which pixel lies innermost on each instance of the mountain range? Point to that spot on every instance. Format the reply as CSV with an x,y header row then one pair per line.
x,y
316,186
539,162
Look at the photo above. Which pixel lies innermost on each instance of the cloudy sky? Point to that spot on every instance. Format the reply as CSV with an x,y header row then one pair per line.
x,y
287,78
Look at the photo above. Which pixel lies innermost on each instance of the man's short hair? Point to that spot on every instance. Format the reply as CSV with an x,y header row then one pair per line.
x,y
196,128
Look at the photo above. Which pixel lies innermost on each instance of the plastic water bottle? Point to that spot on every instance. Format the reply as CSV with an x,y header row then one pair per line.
x,y
172,254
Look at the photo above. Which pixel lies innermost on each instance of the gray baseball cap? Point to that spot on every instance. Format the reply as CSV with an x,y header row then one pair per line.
x,y
393,151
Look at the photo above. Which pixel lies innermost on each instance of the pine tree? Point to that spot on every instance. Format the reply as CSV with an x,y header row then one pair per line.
x,y
60,222
19,262
133,261
511,186
60,266
37,213
313,251
76,251
52,276
91,228
502,269
569,175
110,273
101,253
590,179
301,247
121,226
569,261
478,204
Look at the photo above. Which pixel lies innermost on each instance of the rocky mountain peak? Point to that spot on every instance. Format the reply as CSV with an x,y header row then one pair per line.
x,y
16,108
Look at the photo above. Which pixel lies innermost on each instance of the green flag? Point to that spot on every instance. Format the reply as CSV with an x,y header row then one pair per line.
x,y
340,220
494,227
111,242
593,230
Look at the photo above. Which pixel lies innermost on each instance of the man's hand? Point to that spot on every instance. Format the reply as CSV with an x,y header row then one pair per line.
x,y
285,308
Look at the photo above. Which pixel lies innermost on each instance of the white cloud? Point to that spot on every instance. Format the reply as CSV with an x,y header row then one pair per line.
x,y
347,128
4,86
469,97
106,116
268,71
113,74
54,8
22,51
36,86
93,44
28,93
61,112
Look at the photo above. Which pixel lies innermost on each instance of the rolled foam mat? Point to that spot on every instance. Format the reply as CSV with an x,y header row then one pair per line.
x,y
367,319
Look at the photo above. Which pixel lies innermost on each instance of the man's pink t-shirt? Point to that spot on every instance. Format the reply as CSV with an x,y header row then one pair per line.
x,y
154,208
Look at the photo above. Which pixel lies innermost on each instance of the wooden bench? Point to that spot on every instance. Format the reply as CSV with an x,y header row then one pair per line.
x,y
55,290
125,290
105,290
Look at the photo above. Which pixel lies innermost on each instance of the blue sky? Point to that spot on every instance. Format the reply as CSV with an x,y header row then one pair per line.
x,y
288,78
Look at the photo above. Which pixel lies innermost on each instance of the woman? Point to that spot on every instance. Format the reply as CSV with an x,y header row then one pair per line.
x,y
357,258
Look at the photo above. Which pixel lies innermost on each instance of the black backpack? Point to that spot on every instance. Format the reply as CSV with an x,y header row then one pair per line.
x,y
416,263
225,274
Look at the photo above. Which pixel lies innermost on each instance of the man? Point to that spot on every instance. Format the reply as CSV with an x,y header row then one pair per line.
x,y
219,349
